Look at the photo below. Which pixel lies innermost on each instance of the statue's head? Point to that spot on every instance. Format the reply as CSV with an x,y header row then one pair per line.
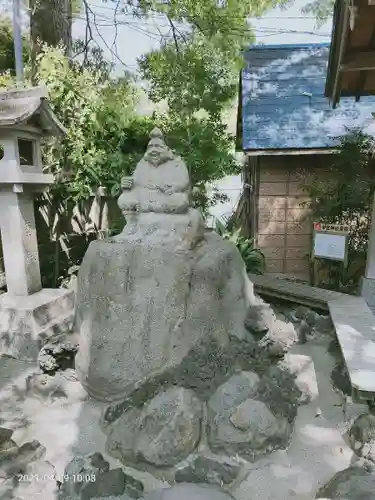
x,y
157,151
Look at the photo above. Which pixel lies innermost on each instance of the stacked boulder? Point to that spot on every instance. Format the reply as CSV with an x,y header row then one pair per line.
x,y
160,312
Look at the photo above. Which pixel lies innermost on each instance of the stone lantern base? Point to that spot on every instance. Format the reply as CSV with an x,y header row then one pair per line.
x,y
26,323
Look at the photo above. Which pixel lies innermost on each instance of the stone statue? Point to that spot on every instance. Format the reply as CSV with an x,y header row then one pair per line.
x,y
148,296
156,200
160,315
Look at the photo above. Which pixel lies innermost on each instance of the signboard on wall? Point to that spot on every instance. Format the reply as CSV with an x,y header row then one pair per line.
x,y
330,241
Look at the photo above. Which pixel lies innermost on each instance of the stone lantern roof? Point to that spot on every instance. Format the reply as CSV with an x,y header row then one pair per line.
x,y
19,106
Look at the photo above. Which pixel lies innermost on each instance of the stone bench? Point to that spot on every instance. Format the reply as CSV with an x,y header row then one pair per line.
x,y
270,287
355,329
353,321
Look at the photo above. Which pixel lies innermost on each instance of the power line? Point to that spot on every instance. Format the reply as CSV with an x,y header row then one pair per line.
x,y
267,30
159,14
142,25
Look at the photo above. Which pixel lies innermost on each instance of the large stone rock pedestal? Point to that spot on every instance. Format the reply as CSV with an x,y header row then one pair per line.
x,y
26,323
160,314
141,309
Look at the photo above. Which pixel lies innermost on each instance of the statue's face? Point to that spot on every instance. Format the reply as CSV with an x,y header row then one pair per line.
x,y
157,153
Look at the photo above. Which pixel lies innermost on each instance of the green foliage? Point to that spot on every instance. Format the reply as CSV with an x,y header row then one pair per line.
x,y
85,56
253,258
196,72
195,78
197,67
91,58
321,9
206,148
343,194
7,61
96,114
203,143
95,110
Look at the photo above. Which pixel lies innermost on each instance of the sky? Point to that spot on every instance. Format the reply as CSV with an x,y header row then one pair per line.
x,y
136,37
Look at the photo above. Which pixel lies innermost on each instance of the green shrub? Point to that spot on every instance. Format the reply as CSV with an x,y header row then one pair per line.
x,y
343,195
254,259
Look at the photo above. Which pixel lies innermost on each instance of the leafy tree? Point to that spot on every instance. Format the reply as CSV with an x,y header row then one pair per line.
x,y
197,66
95,111
321,9
204,145
91,109
254,259
50,23
196,72
86,56
7,60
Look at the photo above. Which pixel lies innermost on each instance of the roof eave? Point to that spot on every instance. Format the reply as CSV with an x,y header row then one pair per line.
x,y
52,124
290,151
339,31
38,105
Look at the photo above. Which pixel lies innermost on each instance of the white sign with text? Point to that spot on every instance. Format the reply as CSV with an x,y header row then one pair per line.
x,y
330,246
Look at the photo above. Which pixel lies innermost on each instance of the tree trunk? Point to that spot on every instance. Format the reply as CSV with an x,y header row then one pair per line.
x,y
51,23
244,214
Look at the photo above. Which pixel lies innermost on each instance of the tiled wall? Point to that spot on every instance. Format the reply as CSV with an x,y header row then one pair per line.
x,y
284,232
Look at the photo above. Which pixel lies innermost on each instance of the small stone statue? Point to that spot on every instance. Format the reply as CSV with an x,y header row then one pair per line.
x,y
156,200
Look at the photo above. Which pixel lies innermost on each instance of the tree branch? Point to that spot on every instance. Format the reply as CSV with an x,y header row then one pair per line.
x,y
173,28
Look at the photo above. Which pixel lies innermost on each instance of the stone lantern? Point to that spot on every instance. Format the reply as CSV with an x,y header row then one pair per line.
x,y
28,313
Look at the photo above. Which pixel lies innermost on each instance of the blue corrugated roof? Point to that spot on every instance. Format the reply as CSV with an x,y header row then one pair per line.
x,y
283,103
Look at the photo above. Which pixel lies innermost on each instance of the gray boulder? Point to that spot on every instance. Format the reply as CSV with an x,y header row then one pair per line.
x,y
141,309
280,338
163,433
340,377
206,366
259,319
354,483
323,324
302,312
362,436
34,480
24,473
44,387
250,416
208,470
187,491
14,459
89,476
5,435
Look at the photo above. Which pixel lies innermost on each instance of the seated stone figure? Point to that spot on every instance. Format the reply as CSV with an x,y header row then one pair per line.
x,y
156,199
160,182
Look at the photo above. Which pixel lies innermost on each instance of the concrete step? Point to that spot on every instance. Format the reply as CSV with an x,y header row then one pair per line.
x,y
355,329
27,322
58,326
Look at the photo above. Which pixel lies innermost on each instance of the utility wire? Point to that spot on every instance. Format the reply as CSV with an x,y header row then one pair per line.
x,y
159,14
142,25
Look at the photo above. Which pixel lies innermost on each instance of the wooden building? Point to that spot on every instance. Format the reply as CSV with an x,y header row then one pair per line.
x,y
351,73
286,123
351,67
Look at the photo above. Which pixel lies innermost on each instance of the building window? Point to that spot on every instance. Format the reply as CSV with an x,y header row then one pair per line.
x,y
26,151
